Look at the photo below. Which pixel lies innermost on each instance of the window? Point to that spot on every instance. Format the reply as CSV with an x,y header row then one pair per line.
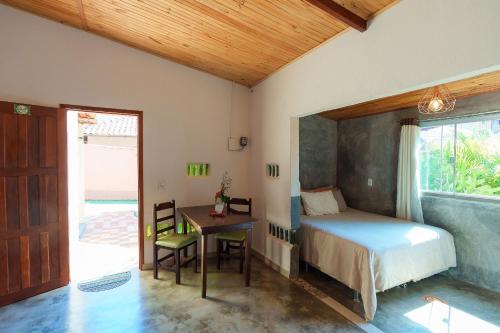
x,y
461,157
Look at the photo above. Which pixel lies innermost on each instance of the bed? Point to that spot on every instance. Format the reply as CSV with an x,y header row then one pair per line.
x,y
371,253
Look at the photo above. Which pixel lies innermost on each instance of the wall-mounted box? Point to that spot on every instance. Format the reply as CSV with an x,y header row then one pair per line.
x,y
198,169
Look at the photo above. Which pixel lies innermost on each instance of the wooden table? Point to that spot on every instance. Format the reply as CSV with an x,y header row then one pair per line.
x,y
199,217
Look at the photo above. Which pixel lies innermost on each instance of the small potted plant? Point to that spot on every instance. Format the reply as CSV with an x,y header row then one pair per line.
x,y
221,197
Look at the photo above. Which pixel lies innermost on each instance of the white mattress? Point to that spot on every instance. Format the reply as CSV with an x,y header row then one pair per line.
x,y
371,253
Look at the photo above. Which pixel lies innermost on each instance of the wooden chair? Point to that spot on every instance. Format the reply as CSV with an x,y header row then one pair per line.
x,y
164,238
235,239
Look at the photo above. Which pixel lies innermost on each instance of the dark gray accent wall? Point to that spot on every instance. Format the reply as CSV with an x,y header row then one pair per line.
x,y
295,211
475,226
368,148
317,152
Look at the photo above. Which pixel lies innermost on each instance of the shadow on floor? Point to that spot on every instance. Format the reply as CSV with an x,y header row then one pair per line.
x,y
435,304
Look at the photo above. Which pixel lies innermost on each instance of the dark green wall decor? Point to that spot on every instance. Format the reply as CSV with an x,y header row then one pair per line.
x,y
273,170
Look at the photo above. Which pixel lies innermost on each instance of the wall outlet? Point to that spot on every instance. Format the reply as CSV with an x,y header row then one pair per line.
x,y
370,182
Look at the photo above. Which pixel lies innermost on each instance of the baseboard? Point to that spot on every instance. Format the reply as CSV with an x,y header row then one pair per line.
x,y
255,253
271,263
147,267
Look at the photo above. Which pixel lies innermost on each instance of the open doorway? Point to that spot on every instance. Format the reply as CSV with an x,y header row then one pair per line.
x,y
105,221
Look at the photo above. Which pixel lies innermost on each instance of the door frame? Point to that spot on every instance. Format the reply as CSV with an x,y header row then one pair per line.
x,y
140,177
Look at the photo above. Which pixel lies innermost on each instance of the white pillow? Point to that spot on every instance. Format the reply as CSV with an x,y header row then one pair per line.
x,y
319,203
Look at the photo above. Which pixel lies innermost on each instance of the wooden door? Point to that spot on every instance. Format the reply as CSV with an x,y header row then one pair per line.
x,y
33,202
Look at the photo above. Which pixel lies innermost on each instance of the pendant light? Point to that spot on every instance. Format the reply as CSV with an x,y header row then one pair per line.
x,y
437,100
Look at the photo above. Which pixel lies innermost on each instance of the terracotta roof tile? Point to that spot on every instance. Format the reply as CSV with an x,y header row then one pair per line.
x,y
112,126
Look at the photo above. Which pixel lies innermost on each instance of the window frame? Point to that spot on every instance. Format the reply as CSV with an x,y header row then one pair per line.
x,y
493,115
460,196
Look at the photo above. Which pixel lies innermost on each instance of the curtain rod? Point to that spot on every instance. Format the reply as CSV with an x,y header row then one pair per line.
x,y
490,115
410,121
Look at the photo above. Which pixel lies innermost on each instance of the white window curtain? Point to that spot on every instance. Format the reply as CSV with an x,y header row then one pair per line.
x,y
408,205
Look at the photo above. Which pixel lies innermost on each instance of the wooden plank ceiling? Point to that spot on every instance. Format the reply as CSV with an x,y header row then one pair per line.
x,y
242,41
476,85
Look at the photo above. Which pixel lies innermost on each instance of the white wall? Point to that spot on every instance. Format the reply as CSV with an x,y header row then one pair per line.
x,y
186,112
110,167
414,44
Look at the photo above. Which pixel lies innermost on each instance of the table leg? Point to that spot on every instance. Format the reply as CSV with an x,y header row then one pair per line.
x,y
184,231
204,266
248,256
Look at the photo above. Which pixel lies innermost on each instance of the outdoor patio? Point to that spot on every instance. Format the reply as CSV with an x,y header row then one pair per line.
x,y
108,241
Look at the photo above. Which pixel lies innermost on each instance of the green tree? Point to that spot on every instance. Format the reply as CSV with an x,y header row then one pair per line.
x,y
474,170
477,170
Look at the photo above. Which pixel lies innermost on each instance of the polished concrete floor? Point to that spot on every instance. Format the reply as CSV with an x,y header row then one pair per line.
x,y
271,304
436,304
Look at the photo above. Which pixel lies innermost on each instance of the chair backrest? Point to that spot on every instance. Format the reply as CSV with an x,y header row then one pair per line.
x,y
158,208
239,202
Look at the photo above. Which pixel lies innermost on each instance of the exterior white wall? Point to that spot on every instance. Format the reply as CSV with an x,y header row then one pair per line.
x,y
186,112
414,44
110,167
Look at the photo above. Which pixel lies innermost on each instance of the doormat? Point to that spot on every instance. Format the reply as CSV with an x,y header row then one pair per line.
x,y
105,283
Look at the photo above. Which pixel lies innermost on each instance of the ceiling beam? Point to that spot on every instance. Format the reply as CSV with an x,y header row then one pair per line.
x,y
477,85
340,13
79,5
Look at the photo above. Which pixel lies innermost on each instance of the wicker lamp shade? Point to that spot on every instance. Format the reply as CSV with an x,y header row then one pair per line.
x,y
436,100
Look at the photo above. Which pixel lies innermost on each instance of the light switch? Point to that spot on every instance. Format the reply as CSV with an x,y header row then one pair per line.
x,y
162,185
370,182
